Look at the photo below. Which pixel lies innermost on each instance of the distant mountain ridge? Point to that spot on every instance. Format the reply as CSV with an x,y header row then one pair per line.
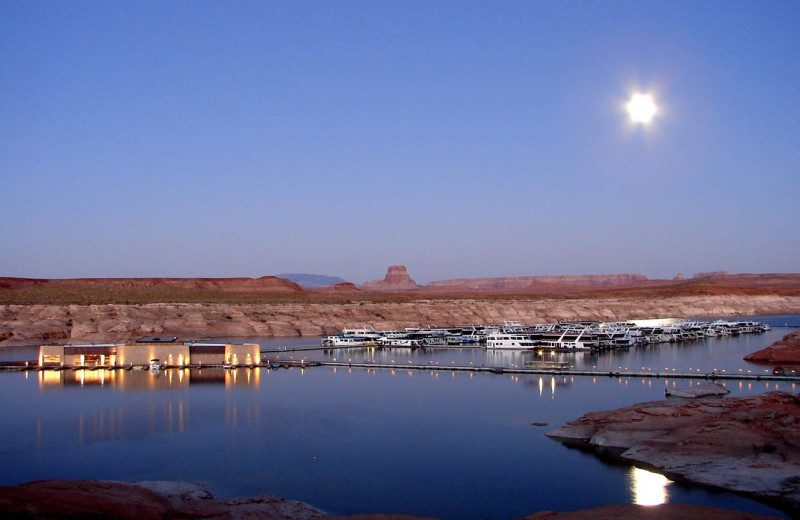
x,y
240,285
312,281
527,282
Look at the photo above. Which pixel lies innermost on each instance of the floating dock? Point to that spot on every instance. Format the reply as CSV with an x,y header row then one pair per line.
x,y
560,370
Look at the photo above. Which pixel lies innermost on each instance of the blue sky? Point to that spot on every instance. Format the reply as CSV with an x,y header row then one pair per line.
x,y
462,139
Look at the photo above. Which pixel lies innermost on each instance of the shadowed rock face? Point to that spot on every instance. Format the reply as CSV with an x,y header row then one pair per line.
x,y
78,499
749,445
396,279
785,351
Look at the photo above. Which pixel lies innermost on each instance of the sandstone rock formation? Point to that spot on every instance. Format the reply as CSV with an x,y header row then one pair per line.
x,y
343,289
527,282
710,274
783,352
698,391
396,286
396,279
749,445
31,324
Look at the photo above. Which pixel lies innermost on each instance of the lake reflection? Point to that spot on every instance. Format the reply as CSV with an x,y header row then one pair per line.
x,y
150,380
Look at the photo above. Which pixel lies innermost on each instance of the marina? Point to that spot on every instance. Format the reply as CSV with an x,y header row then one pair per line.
x,y
564,336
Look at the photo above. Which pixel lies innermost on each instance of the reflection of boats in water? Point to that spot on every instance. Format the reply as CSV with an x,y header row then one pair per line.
x,y
547,364
400,342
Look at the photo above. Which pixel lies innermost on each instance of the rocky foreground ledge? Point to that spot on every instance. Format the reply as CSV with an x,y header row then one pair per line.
x,y
749,445
159,500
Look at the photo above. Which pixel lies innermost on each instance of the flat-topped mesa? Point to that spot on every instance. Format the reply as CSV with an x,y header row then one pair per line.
x,y
710,274
526,282
396,279
240,284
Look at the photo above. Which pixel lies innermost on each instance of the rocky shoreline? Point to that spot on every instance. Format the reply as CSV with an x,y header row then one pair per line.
x,y
786,351
157,500
748,445
26,324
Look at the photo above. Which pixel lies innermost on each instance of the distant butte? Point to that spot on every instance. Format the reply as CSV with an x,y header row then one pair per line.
x,y
396,279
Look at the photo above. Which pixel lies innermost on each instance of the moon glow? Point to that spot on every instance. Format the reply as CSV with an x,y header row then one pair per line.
x,y
641,108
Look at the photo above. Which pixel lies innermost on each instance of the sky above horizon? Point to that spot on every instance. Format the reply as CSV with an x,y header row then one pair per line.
x,y
460,139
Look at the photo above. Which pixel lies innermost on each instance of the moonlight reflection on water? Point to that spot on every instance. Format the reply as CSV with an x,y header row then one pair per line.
x,y
648,488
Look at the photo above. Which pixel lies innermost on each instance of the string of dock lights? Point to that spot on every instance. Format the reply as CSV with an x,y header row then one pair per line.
x,y
621,371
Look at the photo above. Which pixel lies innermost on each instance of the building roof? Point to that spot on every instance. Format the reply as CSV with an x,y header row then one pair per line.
x,y
157,339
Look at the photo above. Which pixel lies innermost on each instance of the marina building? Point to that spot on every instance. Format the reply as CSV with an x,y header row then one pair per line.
x,y
150,351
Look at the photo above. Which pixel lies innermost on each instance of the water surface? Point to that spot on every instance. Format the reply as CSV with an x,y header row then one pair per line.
x,y
442,444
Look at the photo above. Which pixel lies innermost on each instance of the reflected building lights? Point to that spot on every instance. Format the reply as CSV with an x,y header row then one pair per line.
x,y
80,429
648,488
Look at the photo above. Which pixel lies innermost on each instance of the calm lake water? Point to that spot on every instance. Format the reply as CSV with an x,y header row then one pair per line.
x,y
448,445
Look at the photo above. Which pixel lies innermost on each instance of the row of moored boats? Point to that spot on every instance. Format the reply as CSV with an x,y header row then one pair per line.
x,y
562,336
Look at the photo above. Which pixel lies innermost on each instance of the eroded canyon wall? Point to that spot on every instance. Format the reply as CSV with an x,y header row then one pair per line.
x,y
27,324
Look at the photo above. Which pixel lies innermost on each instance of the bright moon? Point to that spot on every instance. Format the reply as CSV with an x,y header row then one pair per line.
x,y
641,108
